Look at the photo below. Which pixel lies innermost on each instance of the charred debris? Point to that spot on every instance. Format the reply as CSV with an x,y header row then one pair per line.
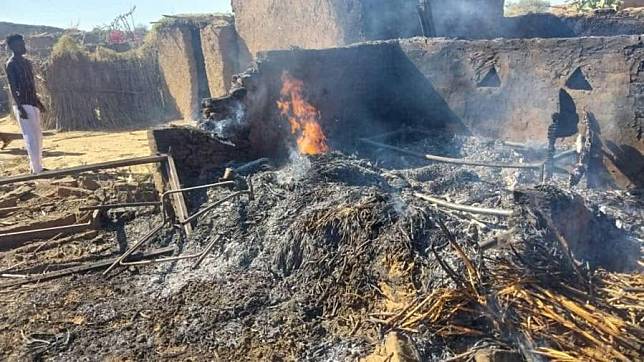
x,y
325,255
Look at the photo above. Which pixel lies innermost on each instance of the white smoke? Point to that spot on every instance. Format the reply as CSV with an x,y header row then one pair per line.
x,y
230,126
298,168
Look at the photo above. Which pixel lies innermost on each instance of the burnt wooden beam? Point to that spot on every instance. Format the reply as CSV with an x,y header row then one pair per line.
x,y
178,201
157,174
14,239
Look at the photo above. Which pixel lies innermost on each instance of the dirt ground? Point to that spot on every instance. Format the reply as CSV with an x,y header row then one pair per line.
x,y
68,149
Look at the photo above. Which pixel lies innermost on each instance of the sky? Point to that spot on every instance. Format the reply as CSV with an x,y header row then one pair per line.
x,y
86,14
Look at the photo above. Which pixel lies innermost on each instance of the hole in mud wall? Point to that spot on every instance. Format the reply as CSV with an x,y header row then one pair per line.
x,y
568,117
359,91
200,62
578,81
490,80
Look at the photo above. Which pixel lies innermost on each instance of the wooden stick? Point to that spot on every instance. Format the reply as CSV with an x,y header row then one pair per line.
x,y
460,207
455,161
14,239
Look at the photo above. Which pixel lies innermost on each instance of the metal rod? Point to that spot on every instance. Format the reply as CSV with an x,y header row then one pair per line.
x,y
390,134
218,184
85,168
456,161
212,206
80,269
565,154
247,166
153,232
206,252
158,261
460,207
117,206
202,255
167,193
138,244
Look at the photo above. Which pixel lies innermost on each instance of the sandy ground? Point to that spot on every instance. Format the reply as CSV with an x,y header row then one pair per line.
x,y
68,149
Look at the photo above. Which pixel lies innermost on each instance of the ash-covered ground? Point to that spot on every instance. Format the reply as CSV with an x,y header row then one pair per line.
x,y
327,259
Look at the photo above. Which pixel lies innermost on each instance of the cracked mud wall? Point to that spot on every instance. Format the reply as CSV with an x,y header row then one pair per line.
x,y
360,91
198,58
625,22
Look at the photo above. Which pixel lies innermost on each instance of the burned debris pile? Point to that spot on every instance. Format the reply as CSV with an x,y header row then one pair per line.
x,y
333,253
343,253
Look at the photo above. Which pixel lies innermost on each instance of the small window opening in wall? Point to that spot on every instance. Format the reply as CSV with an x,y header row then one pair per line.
x,y
491,79
578,81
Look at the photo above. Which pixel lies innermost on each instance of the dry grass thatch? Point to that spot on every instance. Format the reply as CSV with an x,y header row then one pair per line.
x,y
104,89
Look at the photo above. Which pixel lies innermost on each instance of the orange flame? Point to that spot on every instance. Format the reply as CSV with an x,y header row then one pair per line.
x,y
302,116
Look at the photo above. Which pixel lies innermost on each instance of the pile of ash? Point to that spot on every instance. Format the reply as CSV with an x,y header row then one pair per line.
x,y
334,251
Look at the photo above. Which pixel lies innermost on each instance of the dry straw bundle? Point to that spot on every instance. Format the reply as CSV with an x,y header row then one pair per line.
x,y
598,320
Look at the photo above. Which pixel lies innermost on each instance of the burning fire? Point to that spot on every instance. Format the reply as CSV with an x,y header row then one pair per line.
x,y
302,116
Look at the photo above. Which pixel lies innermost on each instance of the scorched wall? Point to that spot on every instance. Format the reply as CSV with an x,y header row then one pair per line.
x,y
498,88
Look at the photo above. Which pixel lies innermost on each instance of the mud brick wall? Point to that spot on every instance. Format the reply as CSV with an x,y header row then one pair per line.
x,y
360,91
313,24
197,155
534,76
531,74
221,55
179,69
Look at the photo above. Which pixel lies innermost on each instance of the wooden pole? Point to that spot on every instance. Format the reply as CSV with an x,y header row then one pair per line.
x,y
455,161
465,208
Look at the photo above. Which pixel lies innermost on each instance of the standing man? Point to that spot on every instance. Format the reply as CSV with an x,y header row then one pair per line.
x,y
27,106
